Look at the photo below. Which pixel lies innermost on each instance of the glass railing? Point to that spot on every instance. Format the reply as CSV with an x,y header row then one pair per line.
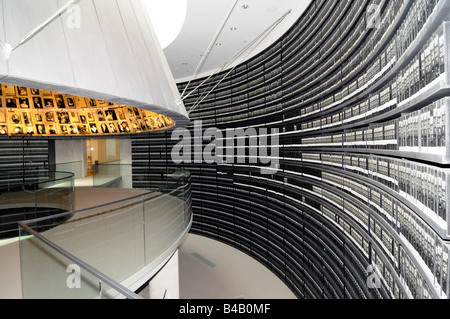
x,y
42,259
30,194
95,251
113,175
77,168
116,175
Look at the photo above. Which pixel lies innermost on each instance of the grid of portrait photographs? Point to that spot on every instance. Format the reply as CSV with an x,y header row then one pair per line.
x,y
31,112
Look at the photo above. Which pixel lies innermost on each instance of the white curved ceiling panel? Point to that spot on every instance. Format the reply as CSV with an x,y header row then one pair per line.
x,y
111,54
239,29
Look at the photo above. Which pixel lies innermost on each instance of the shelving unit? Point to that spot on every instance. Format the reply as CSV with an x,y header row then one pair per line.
x,y
23,154
361,113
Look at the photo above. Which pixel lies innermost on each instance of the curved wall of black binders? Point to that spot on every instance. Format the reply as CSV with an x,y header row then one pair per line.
x,y
354,97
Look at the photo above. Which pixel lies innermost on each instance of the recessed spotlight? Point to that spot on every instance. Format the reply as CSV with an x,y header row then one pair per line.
x,y
233,28
218,44
245,6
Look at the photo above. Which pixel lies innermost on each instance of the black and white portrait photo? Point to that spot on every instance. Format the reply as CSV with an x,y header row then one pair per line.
x,y
37,102
11,103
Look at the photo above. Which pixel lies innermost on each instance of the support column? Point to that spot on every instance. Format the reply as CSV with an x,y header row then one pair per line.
x,y
165,284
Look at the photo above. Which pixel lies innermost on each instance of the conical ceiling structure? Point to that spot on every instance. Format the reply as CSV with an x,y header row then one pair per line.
x,y
105,50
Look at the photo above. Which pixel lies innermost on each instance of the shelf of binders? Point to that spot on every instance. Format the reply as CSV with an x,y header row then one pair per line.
x,y
423,188
422,134
395,57
389,220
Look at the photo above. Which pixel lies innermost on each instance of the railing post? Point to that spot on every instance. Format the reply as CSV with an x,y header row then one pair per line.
x,y
144,228
100,291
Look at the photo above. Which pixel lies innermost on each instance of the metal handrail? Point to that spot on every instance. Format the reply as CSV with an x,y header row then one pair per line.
x,y
30,221
68,176
111,282
96,273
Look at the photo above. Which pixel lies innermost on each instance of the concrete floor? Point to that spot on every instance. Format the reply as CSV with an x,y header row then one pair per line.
x,y
208,270
212,270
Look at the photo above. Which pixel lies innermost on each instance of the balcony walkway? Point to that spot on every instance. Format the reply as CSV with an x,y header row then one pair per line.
x,y
208,269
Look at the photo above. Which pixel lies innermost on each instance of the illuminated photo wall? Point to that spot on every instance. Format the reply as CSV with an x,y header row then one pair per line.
x,y
31,112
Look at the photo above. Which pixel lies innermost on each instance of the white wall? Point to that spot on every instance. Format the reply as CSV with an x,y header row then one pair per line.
x,y
126,161
71,152
125,151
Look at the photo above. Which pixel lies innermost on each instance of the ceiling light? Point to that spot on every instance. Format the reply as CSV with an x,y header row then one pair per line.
x,y
245,6
218,44
167,18
233,28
